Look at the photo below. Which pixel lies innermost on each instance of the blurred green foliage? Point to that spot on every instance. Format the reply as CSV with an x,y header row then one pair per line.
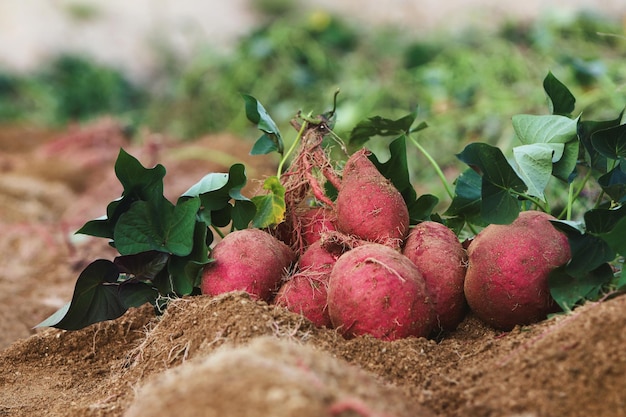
x,y
70,88
467,86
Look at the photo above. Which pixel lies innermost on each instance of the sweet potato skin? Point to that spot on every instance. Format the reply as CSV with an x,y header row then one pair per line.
x,y
442,261
248,260
306,291
316,221
368,206
507,277
376,290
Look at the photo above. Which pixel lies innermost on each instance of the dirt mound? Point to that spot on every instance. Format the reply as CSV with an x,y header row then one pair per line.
x,y
571,365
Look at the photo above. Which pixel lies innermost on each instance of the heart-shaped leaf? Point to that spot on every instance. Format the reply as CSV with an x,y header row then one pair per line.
x,y
95,299
160,227
568,291
500,183
534,165
614,182
560,99
611,142
270,207
544,129
380,126
271,140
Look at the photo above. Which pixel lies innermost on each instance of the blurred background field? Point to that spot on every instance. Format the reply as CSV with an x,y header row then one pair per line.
x,y
179,68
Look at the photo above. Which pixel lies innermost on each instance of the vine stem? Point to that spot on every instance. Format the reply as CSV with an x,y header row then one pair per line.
x,y
435,165
440,174
570,201
543,207
218,231
574,196
291,148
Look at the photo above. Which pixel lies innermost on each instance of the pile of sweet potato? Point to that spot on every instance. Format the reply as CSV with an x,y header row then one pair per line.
x,y
359,266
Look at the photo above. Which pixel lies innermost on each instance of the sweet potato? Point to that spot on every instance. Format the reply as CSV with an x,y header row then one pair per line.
x,y
248,260
442,261
368,206
507,278
376,290
316,221
318,257
306,291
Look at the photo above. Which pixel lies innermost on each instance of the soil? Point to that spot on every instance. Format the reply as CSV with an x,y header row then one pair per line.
x,y
230,355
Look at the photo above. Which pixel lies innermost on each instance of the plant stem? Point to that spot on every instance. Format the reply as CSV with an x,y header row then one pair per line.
x,y
573,198
570,201
291,148
219,232
435,165
543,207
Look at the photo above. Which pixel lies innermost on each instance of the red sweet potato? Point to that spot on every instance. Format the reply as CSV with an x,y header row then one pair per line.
x,y
376,290
442,261
507,278
306,291
316,221
368,206
248,260
318,257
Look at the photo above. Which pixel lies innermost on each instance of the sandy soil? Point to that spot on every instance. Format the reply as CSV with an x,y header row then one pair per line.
x,y
229,355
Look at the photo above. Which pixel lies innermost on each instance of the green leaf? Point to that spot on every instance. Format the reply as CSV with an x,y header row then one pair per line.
x,y
139,182
568,291
216,190
534,165
564,168
186,271
588,252
242,214
95,299
271,140
498,205
615,237
560,99
611,142
598,221
270,208
613,183
135,294
499,182
467,195
210,182
556,132
544,129
422,208
586,129
160,227
143,266
98,228
380,126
